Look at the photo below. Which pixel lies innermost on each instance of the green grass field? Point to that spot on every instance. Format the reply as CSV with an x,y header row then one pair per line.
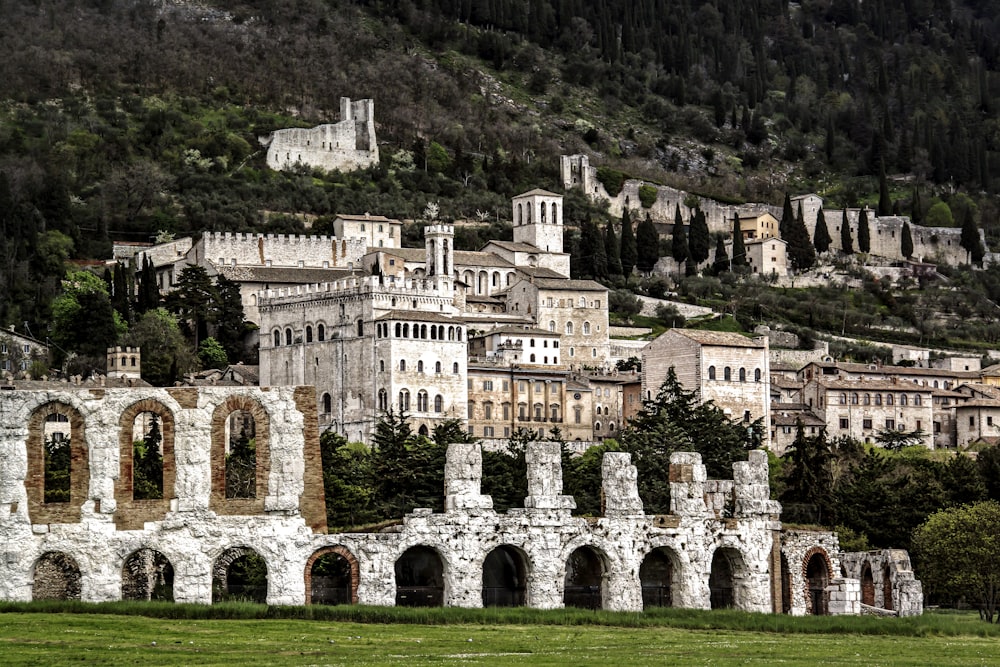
x,y
113,639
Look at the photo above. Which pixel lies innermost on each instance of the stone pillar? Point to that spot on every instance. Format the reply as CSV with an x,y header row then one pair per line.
x,y
844,597
463,474
544,461
752,492
620,487
910,596
687,485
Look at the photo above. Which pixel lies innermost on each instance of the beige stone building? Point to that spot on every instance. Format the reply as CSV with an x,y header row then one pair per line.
x,y
767,256
18,352
861,408
756,226
729,369
377,231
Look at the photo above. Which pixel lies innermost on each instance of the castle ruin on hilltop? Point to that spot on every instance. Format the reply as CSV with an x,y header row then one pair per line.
x,y
349,144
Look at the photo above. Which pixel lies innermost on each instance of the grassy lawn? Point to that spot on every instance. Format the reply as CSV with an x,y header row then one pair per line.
x,y
105,639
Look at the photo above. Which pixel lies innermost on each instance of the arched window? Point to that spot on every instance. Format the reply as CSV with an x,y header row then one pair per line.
x,y
288,336
439,403
532,358
569,328
902,399
420,366
916,399
743,375
421,401
727,374
277,338
586,328
843,398
402,364
327,404
404,400
496,279
423,331
321,332
406,331
381,365
434,333
756,375
868,399
309,334
458,332
554,213
520,214
451,333
711,372
383,400
889,399
878,399
854,398
454,368
552,325
437,366
361,328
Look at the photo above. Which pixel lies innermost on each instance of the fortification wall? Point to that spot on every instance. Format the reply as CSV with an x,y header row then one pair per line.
x,y
281,250
349,144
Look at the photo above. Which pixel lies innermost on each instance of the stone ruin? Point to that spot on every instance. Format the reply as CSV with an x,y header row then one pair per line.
x,y
94,536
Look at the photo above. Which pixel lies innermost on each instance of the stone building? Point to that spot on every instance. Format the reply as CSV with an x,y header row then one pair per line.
x,y
101,543
343,146
767,256
19,351
757,226
377,231
729,369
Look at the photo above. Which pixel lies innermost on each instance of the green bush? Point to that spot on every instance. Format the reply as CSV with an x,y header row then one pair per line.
x,y
647,195
612,180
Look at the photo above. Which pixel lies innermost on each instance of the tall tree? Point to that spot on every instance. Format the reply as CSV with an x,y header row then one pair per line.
x,y
884,199
970,236
647,242
600,257
917,208
800,248
193,301
864,233
612,251
678,241
739,249
787,217
907,241
628,246
846,242
721,262
699,239
821,237
808,478
166,354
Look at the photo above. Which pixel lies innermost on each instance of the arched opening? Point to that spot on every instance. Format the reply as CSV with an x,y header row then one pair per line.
x,y
58,456
239,573
504,578
419,578
583,584
887,589
147,457
817,579
656,575
147,575
867,586
786,586
56,577
241,455
423,430
332,577
720,582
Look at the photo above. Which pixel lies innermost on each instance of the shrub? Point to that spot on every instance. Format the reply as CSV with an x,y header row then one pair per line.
x,y
612,180
647,195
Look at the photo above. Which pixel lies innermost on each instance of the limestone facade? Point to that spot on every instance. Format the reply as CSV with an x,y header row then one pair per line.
x,y
348,144
861,408
767,256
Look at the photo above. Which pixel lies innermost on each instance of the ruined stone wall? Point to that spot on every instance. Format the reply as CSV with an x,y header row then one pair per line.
x,y
887,581
349,144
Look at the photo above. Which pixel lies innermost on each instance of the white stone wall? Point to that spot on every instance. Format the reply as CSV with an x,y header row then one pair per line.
x,y
349,144
280,250
905,593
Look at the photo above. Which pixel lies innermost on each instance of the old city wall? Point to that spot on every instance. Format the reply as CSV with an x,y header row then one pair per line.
x,y
348,144
236,249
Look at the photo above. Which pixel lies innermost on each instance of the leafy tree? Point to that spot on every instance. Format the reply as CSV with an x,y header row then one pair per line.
x,y
647,242
721,262
958,555
83,321
211,354
647,195
846,242
228,318
894,440
988,463
611,250
583,479
629,252
821,237
864,233
907,241
505,473
739,250
940,215
166,354
699,239
625,303
678,243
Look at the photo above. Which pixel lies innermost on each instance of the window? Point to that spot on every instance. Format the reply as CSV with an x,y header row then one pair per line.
x,y
903,399
866,424
868,399
743,375
487,411
756,375
569,328
487,431
727,374
437,366
890,424
916,399
989,421
844,423
854,398
381,365
454,368
972,421
532,358
506,411
309,334
843,399
531,342
404,400
288,336
538,412
552,325
383,400
420,365
439,403
487,385
586,328
277,338
889,399
421,401
327,404
539,387
402,364
711,372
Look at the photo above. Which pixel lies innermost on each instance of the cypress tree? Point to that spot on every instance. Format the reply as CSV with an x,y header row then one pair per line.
x,y
821,237
699,238
970,237
907,241
846,242
612,251
884,200
628,248
800,248
721,258
864,234
647,243
679,243
787,218
739,250
917,208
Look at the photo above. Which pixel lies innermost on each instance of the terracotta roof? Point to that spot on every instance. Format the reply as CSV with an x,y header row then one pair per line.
x,y
903,370
873,385
766,239
480,258
790,417
569,285
722,338
509,329
514,246
365,217
785,383
540,272
284,274
409,254
979,403
537,191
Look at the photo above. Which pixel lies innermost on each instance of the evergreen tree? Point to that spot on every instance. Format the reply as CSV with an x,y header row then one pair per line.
x,y
846,242
679,244
917,208
907,241
721,262
787,218
647,242
864,233
808,478
147,464
699,238
590,242
229,318
600,257
193,301
821,237
800,248
628,246
970,236
884,199
611,250
739,250
149,291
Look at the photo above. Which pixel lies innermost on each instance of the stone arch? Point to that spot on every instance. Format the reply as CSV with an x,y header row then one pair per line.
x,y
218,502
56,576
887,589
728,571
659,575
339,586
817,571
147,575
786,586
239,573
79,466
867,585
131,514
585,581
420,577
505,577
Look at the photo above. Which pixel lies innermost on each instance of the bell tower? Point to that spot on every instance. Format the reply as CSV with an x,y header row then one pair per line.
x,y
538,220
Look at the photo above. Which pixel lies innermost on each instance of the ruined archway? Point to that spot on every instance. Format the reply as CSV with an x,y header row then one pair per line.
x,y
887,589
867,585
239,573
332,575
419,578
657,575
727,569
583,585
145,483
147,575
817,578
505,575
58,478
241,456
786,586
56,576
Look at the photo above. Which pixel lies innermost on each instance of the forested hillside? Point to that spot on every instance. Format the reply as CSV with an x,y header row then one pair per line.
x,y
124,118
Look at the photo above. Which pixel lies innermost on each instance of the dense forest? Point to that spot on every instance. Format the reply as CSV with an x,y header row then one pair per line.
x,y
129,119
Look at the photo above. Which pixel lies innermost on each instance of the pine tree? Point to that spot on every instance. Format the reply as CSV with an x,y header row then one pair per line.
x,y
787,218
699,238
679,243
846,242
864,233
907,242
721,262
739,250
821,237
647,242
612,252
628,247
